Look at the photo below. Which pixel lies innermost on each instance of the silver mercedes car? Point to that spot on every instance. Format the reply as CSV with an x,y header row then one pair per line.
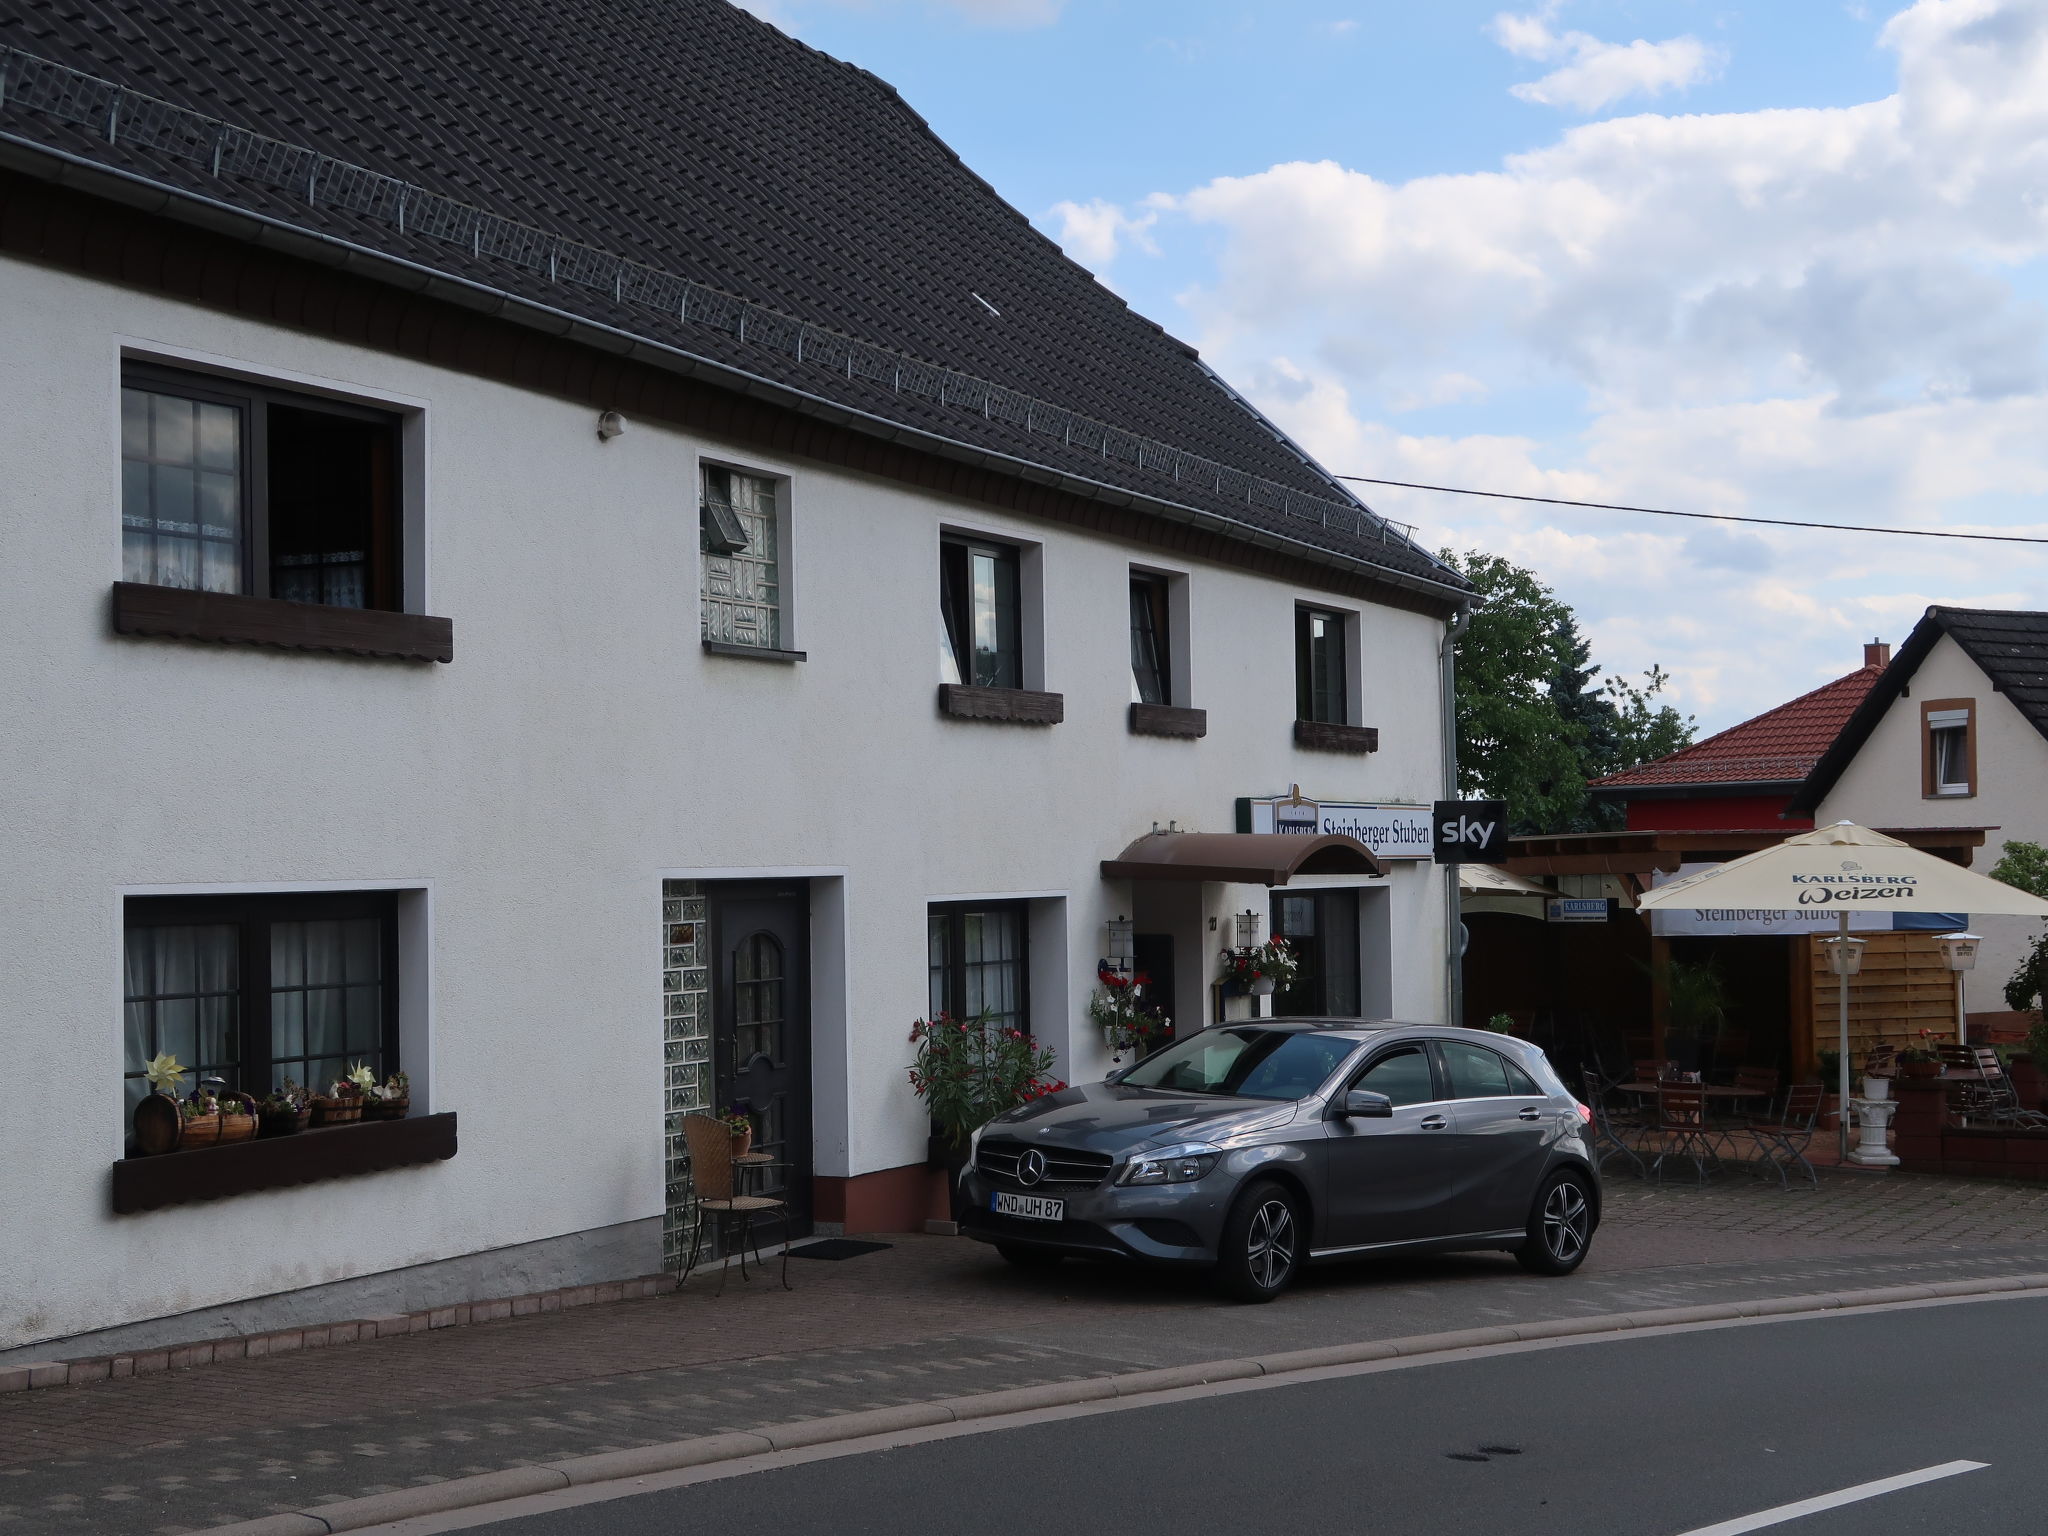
x,y
1254,1148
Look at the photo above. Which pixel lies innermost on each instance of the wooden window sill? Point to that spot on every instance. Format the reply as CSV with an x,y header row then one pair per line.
x,y
750,652
1321,736
278,1162
173,613
1168,720
1020,706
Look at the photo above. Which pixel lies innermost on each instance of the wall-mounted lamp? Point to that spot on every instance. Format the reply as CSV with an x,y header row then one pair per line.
x,y
1845,956
1247,928
610,425
1118,943
1960,950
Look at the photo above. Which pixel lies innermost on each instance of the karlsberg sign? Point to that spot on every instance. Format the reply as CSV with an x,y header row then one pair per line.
x,y
1821,901
1390,831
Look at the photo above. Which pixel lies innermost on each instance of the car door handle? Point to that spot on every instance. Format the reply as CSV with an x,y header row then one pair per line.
x,y
1529,1112
1434,1123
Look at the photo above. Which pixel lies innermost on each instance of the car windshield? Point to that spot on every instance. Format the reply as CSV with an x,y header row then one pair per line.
x,y
1243,1064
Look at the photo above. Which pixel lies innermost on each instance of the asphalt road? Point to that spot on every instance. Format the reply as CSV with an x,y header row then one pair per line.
x,y
1654,1436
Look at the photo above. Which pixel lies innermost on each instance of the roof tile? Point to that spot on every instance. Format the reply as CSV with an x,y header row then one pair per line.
x,y
1779,746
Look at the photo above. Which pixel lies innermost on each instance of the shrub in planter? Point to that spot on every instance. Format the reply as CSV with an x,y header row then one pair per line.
x,y
968,1071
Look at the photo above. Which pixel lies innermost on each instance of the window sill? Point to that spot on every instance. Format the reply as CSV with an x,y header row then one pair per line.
x,y
1321,736
278,1162
750,652
1020,706
1168,720
173,613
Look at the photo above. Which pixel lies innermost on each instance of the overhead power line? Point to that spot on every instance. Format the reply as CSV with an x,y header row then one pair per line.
x,y
1708,517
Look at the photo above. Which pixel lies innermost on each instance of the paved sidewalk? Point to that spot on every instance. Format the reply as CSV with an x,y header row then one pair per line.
x,y
929,1318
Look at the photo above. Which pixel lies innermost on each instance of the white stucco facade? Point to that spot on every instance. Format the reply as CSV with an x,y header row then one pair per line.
x,y
530,798
1882,787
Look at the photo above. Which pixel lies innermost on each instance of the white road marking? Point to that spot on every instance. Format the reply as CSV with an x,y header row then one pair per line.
x,y
1814,1506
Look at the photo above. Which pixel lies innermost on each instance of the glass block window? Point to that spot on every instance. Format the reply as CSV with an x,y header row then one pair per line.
x,y
686,1045
743,580
254,989
977,963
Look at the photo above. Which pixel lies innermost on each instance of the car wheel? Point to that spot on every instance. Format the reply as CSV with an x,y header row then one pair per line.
x,y
1024,1256
1263,1244
1560,1226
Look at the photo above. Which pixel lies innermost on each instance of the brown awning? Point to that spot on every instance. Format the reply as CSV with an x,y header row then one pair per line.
x,y
1244,858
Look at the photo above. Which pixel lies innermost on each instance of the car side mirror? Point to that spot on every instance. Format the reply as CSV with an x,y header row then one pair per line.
x,y
1364,1104
1117,1076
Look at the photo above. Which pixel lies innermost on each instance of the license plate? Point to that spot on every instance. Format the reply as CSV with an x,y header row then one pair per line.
x,y
1030,1207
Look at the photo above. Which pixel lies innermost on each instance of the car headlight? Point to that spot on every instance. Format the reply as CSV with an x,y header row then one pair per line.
x,y
974,1144
1174,1165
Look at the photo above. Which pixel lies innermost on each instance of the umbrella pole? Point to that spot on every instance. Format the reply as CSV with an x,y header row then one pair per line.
x,y
1842,1056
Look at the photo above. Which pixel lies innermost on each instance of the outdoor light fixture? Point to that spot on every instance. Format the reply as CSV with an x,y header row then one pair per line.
x,y
1247,928
1960,950
1119,945
610,425
1845,956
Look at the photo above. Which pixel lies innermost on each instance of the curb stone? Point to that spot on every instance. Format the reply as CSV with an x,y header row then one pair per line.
x,y
610,1466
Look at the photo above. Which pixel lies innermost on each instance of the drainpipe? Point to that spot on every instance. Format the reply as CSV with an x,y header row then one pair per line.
x,y
1454,966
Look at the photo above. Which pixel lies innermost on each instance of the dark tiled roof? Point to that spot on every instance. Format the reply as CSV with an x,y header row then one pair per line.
x,y
1779,746
2009,646
539,144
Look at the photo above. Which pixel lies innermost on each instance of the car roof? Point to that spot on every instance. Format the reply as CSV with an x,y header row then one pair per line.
x,y
1366,1029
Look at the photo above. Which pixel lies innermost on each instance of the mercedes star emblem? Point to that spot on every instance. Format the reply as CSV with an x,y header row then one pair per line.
x,y
1030,1167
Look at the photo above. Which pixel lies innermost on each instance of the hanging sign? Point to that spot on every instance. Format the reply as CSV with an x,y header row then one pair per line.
x,y
1390,831
1577,909
1470,832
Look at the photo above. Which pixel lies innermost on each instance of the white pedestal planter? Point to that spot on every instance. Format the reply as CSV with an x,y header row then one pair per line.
x,y
1877,1089
1873,1119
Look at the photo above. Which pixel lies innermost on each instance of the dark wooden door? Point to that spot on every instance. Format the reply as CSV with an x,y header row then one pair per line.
x,y
761,1039
1152,954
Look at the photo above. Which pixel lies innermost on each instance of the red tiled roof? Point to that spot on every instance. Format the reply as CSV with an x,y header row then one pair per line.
x,y
1778,746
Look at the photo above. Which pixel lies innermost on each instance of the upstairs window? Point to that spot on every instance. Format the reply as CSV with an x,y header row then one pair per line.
x,y
1322,686
742,545
232,487
1948,748
980,598
1151,645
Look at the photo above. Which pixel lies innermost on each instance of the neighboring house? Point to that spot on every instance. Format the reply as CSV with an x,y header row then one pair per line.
x,y
1743,777
578,553
1953,735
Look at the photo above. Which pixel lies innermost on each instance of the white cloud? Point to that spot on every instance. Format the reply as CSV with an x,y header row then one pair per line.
x,y
1818,313
1094,233
1595,74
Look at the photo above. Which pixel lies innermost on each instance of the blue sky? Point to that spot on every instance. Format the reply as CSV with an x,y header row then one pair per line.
x,y
1783,259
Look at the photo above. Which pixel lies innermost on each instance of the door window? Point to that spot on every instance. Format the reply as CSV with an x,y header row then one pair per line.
x,y
1402,1075
1477,1073
1321,927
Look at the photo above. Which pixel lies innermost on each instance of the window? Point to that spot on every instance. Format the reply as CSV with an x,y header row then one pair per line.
x,y
1321,927
1151,641
230,487
1948,748
1248,1063
977,963
1478,1073
1320,680
979,601
742,545
1402,1075
255,989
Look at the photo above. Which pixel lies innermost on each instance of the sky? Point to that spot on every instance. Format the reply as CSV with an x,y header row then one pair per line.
x,y
1778,259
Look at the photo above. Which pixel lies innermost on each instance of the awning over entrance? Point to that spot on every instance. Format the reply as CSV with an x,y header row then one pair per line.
x,y
1244,858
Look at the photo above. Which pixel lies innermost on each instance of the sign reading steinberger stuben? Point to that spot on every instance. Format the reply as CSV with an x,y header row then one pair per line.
x,y
1390,831
1470,832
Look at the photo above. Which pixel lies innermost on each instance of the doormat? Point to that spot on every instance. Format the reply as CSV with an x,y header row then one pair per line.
x,y
836,1248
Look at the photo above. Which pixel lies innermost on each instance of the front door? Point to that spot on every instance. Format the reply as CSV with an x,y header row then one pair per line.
x,y
1152,954
761,1032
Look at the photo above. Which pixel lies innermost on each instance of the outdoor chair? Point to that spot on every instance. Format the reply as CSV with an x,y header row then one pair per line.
x,y
1608,1127
1782,1140
713,1198
1995,1099
1682,1129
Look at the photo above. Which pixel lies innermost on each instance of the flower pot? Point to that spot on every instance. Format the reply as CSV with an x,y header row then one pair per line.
x,y
240,1127
386,1109
1920,1069
282,1122
200,1131
1877,1088
743,1142
159,1125
1264,986
328,1111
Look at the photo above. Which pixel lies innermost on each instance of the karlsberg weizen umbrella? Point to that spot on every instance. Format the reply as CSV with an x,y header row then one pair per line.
x,y
1845,868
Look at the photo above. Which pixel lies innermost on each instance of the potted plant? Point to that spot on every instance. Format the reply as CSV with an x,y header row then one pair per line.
x,y
201,1113
1260,969
388,1100
283,1111
740,1127
968,1071
237,1117
1880,1066
1127,1025
1918,1061
342,1104
1696,1011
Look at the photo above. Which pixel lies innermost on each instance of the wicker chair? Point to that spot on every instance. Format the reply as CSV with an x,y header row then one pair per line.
x,y
711,1193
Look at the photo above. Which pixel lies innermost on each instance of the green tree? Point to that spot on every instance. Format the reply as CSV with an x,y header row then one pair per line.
x,y
2024,866
1532,725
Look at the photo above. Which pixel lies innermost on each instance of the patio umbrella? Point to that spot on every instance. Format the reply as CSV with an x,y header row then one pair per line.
x,y
1845,868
